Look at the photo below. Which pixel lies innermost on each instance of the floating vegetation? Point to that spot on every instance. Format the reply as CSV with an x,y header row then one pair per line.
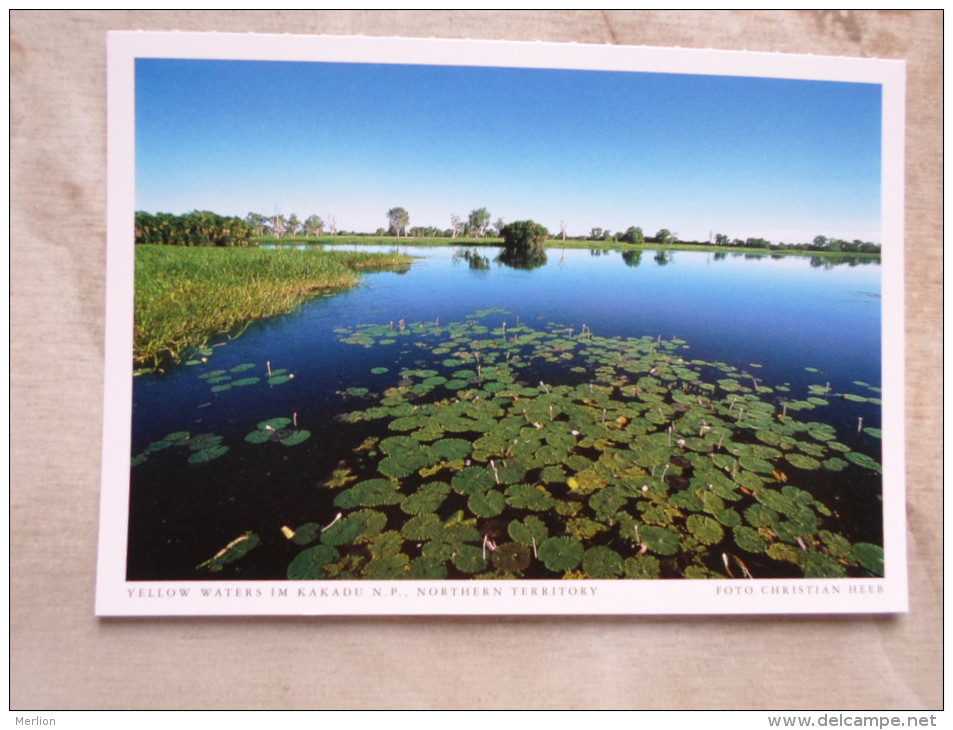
x,y
626,460
237,548
277,429
501,450
201,447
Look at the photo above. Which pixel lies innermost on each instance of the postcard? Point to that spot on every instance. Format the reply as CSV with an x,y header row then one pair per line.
x,y
406,326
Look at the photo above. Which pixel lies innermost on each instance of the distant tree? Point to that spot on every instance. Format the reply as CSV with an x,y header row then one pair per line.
x,y
820,241
258,222
398,218
633,234
294,225
665,236
477,222
313,225
332,225
596,234
499,226
524,235
457,224
562,230
278,224
721,239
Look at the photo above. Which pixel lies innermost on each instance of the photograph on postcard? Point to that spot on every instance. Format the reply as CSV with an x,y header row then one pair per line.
x,y
411,320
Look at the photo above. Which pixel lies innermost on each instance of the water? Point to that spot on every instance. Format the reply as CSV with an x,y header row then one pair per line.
x,y
772,317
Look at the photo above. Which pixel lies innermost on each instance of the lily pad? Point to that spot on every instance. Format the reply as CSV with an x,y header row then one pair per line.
x,y
309,564
602,562
560,554
870,556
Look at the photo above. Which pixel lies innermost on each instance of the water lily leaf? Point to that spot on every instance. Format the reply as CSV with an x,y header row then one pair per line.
x,y
863,460
749,539
838,545
870,556
700,572
472,480
486,504
344,531
296,437
729,518
369,493
306,533
803,462
602,562
785,552
274,424
386,544
379,370
531,531
560,554
527,496
258,436
423,568
659,540
760,516
423,501
309,564
875,432
641,567
451,448
208,454
511,557
221,388
244,382
388,568
280,379
705,529
819,565
469,559
237,548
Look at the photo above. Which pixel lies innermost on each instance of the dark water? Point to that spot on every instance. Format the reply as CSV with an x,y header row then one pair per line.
x,y
781,315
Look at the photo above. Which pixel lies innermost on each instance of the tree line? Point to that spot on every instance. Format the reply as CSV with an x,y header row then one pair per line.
x,y
204,228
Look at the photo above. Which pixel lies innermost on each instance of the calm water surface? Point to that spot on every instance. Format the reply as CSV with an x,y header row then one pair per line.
x,y
770,317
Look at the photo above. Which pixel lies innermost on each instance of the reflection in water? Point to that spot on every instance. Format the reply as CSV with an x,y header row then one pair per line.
x,y
663,258
632,258
528,258
476,261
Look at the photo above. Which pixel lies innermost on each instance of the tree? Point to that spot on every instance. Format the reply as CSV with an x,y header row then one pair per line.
x,y
665,236
478,221
721,239
524,235
499,226
633,234
398,218
258,222
457,224
293,224
313,225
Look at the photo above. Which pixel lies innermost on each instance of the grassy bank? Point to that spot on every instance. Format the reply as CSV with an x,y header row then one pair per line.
x,y
187,295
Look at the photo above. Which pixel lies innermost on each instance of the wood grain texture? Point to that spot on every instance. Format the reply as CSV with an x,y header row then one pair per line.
x,y
64,658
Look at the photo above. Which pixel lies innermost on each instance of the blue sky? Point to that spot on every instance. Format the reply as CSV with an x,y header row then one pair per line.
x,y
781,159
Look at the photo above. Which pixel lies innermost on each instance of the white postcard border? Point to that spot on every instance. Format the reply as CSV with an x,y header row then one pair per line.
x,y
117,597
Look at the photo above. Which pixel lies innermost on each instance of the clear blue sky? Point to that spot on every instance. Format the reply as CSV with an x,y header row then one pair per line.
x,y
785,160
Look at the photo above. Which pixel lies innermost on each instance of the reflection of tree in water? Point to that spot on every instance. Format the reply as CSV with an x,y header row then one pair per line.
x,y
829,262
663,258
476,261
523,258
632,258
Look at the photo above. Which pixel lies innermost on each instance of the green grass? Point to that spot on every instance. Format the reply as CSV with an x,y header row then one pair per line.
x,y
187,295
